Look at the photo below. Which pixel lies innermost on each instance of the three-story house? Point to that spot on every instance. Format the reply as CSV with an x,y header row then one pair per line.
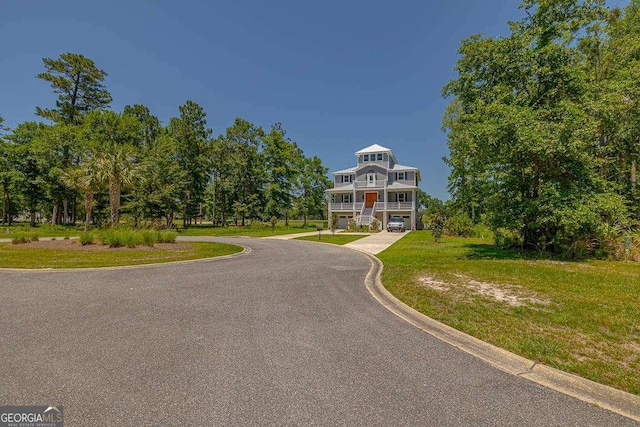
x,y
377,187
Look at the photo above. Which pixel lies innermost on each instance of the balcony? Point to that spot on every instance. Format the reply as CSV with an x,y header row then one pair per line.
x,y
379,183
397,206
346,206
380,206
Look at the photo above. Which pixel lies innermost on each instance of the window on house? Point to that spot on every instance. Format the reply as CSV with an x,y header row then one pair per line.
x,y
346,198
366,158
401,176
379,156
402,197
333,198
347,178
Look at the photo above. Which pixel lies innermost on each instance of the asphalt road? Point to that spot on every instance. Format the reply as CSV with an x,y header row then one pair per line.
x,y
284,335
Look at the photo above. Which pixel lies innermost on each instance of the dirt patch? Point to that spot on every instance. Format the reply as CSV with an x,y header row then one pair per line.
x,y
74,245
511,295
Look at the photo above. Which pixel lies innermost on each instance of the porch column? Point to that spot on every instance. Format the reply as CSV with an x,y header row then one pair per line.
x,y
384,212
328,211
413,211
353,199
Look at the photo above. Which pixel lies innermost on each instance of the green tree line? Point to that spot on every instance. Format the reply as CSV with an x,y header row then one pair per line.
x,y
543,125
94,164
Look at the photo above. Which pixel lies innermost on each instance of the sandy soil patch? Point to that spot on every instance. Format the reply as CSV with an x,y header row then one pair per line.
x,y
511,295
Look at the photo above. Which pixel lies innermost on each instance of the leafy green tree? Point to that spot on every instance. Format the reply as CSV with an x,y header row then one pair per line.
x,y
9,175
193,137
246,168
615,100
150,128
520,139
282,162
311,184
222,164
79,86
160,190
33,162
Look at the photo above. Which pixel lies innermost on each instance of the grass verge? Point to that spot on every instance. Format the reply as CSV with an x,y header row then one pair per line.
x,y
580,317
338,239
16,256
41,230
255,229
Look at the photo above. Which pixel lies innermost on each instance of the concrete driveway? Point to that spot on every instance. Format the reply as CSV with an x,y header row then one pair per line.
x,y
284,335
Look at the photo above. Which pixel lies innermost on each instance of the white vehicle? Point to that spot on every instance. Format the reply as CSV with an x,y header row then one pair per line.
x,y
395,223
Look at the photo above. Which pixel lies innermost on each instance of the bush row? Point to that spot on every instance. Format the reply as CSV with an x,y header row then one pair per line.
x,y
116,238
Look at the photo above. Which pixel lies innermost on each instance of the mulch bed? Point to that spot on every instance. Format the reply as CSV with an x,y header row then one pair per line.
x,y
74,245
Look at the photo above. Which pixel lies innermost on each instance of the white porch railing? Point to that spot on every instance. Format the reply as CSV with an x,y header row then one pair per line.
x,y
346,206
378,183
379,205
399,206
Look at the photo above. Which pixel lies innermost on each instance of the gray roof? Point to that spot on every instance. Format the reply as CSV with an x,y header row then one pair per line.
x,y
343,171
398,167
341,189
375,148
399,186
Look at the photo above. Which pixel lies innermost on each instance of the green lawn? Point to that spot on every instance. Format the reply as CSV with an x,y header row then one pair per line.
x,y
256,229
41,230
338,239
20,256
581,317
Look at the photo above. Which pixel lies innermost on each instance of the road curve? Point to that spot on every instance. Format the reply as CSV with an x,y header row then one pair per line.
x,y
286,334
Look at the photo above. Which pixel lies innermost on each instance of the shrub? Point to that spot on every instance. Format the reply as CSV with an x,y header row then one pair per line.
x,y
20,239
482,231
375,225
507,238
459,225
351,224
334,222
436,225
131,239
149,237
167,237
86,239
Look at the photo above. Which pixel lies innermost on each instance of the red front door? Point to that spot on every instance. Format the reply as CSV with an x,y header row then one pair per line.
x,y
370,199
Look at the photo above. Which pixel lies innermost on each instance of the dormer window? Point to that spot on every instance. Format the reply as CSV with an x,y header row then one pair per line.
x,y
366,158
379,156
401,176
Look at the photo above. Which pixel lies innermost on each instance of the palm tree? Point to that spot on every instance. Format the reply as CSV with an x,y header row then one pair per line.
x,y
116,166
84,178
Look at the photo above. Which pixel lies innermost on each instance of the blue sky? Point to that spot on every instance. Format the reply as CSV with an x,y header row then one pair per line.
x,y
339,75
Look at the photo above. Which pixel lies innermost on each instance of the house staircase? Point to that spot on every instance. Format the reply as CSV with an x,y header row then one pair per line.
x,y
367,215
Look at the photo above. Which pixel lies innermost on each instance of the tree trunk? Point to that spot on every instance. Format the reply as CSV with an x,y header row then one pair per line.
x,y
88,209
74,208
32,212
634,176
114,201
5,204
65,210
223,214
54,214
